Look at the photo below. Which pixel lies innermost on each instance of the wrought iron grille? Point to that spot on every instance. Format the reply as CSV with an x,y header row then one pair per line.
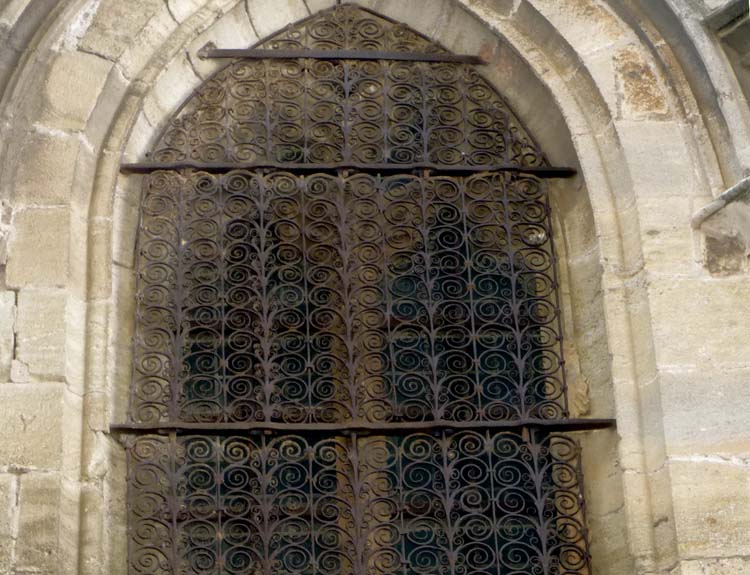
x,y
366,112
417,504
312,110
343,364
359,298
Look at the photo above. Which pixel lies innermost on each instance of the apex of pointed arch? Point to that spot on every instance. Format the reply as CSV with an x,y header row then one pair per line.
x,y
337,110
351,27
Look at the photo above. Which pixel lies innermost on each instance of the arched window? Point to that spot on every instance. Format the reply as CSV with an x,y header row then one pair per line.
x,y
348,352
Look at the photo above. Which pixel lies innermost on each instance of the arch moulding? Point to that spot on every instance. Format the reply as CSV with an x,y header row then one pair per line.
x,y
595,84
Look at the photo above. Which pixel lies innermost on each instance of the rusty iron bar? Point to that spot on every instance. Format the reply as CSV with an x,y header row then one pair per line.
x,y
286,54
550,425
544,172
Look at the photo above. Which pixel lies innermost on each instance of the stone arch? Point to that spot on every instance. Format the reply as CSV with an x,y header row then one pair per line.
x,y
577,209
583,122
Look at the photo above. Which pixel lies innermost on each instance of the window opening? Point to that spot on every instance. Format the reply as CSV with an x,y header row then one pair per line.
x,y
331,299
348,352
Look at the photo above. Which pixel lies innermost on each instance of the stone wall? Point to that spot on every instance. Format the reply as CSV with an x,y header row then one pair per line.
x,y
640,95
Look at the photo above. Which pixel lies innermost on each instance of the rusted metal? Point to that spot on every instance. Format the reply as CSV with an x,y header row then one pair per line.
x,y
569,424
345,299
543,172
348,350
467,502
281,54
347,112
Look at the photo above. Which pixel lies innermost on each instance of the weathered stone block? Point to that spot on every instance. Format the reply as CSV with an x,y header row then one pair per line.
x,y
41,332
587,25
125,224
717,4
5,218
97,411
603,476
140,141
7,333
90,264
116,490
641,92
728,566
11,11
8,487
45,175
668,172
147,42
726,255
121,332
712,506
608,541
72,89
269,16
668,243
461,34
19,372
182,9
38,523
691,568
31,416
232,30
727,239
173,87
75,350
704,411
318,5
699,323
106,109
717,566
600,67
425,17
95,513
115,24
38,252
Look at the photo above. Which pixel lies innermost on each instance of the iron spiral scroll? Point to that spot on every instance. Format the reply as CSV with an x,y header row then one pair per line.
x,y
345,299
348,351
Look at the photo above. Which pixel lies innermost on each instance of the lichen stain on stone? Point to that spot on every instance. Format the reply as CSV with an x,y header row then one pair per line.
x,y
593,11
725,255
595,16
727,239
501,8
641,91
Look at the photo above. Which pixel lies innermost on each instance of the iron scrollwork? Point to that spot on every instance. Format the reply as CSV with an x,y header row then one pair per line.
x,y
330,111
323,299
308,320
490,503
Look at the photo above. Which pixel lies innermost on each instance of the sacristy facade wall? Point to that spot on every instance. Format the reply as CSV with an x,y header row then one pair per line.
x,y
644,97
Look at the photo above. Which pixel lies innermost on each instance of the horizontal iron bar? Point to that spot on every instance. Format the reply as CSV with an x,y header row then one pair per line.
x,y
364,426
539,171
259,53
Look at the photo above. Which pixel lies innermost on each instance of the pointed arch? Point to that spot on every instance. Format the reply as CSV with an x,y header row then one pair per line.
x,y
334,246
314,111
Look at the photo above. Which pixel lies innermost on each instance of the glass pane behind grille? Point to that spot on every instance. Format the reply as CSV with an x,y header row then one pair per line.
x,y
274,297
462,503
